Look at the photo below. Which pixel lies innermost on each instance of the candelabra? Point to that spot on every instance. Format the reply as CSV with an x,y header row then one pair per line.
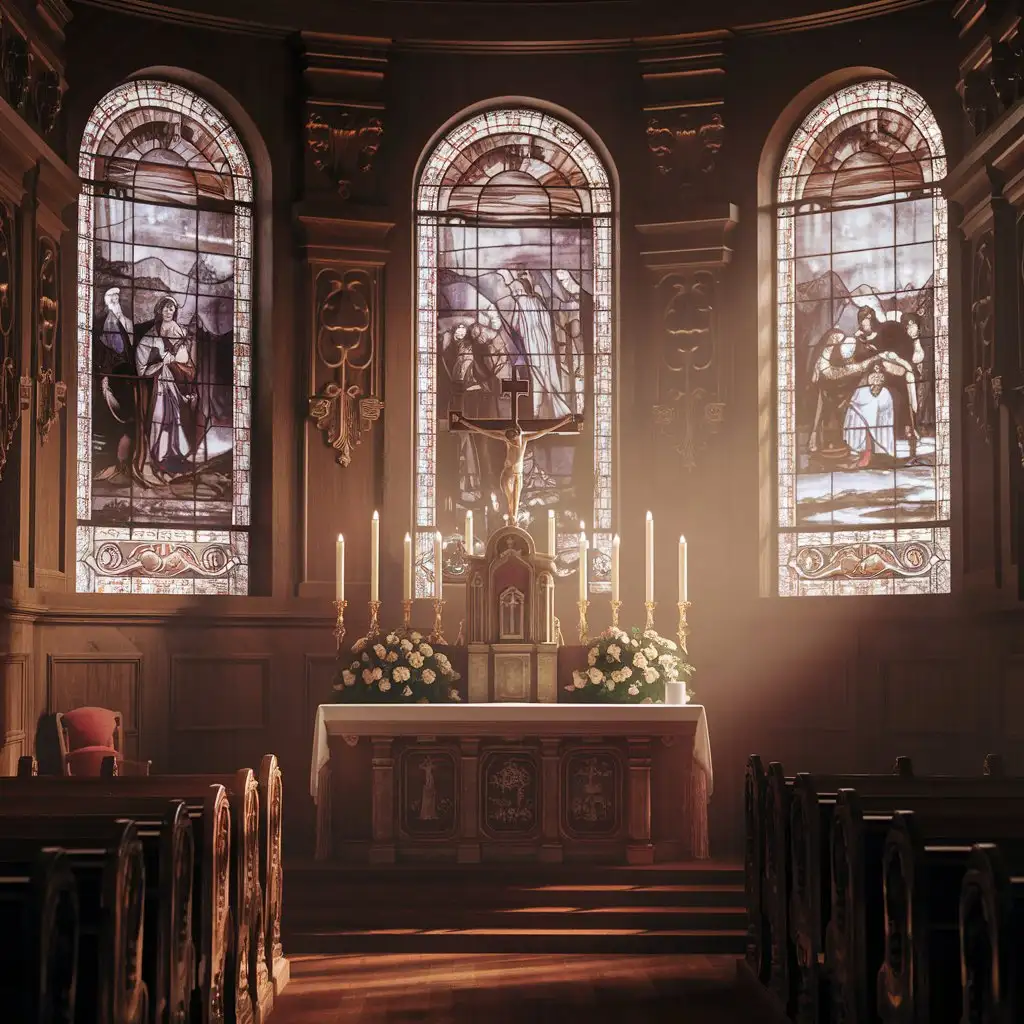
x,y
616,605
584,628
406,616
684,628
650,606
374,631
437,637
339,622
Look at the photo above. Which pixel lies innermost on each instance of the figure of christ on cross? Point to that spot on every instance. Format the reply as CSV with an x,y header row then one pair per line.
x,y
515,437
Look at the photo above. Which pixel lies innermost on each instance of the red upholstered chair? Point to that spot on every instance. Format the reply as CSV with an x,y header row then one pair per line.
x,y
86,737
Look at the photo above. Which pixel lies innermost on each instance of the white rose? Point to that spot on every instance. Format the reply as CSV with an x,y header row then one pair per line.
x,y
609,685
651,675
666,660
579,680
415,637
626,671
379,650
406,691
650,633
367,676
639,660
392,656
595,675
347,677
453,694
416,660
392,638
633,690
651,652
385,685
428,676
377,673
426,650
443,663
591,657
670,644
406,646
614,651
401,674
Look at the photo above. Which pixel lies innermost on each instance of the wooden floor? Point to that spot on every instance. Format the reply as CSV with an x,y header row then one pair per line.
x,y
501,988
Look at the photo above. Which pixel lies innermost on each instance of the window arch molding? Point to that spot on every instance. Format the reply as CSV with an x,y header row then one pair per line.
x,y
165,146
854,472
443,172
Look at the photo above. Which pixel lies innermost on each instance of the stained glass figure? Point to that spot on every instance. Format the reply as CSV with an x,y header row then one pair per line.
x,y
164,346
863,349
514,270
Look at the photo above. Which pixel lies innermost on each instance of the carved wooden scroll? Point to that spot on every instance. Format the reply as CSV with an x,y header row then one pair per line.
x,y
51,393
685,143
343,144
10,382
346,357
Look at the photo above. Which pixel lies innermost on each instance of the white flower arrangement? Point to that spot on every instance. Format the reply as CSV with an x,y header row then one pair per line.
x,y
629,669
402,669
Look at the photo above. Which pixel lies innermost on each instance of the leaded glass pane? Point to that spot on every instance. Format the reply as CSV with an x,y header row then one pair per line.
x,y
862,349
514,268
164,346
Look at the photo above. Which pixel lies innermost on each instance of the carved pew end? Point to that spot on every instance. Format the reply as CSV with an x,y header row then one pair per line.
x,y
755,796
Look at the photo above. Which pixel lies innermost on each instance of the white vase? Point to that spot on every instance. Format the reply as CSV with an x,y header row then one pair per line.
x,y
675,693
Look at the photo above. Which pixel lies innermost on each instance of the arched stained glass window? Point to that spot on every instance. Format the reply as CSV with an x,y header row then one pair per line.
x,y
164,346
514,277
863,349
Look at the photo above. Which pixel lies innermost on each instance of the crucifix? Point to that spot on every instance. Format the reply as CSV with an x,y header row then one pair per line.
x,y
515,437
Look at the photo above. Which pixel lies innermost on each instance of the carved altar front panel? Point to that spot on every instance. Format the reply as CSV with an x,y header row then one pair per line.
x,y
428,803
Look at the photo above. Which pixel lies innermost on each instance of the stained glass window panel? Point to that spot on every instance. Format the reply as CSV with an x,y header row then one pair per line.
x,y
862,349
514,270
164,346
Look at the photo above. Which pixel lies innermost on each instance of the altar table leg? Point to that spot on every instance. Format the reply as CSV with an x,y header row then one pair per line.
x,y
324,815
382,849
640,849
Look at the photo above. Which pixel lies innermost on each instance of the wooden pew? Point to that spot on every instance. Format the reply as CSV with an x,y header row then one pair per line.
x,y
165,831
792,968
991,934
110,875
39,920
855,932
755,805
271,793
209,810
923,868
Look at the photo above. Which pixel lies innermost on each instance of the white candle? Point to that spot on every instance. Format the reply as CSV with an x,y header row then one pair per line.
x,y
583,564
339,569
375,557
682,568
407,569
649,557
438,565
469,531
615,567
552,542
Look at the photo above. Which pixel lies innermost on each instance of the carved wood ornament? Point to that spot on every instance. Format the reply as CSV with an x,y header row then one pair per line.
x,y
51,393
685,144
11,387
32,88
345,343
691,403
343,144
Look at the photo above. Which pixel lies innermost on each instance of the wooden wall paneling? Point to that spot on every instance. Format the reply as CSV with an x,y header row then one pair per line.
x,y
15,709
219,711
99,679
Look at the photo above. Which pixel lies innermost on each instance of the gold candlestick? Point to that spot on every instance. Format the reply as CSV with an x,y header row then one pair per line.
x,y
406,617
616,605
584,628
650,606
374,631
339,622
684,628
437,637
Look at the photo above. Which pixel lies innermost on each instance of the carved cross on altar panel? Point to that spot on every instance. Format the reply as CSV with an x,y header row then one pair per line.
x,y
516,388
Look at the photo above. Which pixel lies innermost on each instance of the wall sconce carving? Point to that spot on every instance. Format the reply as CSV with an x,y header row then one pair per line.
x,y
345,344
11,386
691,405
688,145
51,393
343,147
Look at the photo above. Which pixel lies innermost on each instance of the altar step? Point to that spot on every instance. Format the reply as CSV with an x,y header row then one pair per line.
x,y
511,908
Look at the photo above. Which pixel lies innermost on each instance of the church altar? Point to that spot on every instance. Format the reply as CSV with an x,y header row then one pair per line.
x,y
503,782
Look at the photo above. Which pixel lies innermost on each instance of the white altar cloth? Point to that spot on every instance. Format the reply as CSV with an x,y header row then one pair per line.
x,y
504,720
